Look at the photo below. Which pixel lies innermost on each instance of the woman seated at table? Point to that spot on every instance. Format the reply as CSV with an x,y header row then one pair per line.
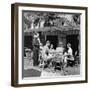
x,y
51,50
46,52
69,54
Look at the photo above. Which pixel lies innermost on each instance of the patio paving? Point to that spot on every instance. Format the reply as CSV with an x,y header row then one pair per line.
x,y
36,71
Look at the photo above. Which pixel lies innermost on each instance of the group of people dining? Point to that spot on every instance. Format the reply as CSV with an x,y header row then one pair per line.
x,y
48,52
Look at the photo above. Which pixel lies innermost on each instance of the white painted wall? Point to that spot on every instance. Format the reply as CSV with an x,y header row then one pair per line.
x,y
5,45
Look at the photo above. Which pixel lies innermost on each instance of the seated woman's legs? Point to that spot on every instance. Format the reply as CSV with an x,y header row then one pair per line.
x,y
65,61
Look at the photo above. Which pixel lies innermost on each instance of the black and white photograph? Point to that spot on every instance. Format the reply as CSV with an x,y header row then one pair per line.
x,y
50,44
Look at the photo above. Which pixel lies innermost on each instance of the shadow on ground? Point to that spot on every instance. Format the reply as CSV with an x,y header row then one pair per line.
x,y
32,73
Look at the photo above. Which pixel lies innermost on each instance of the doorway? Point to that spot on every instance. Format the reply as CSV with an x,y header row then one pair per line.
x,y
53,40
28,42
73,40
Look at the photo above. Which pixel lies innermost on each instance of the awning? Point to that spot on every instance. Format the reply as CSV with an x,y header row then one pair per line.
x,y
65,29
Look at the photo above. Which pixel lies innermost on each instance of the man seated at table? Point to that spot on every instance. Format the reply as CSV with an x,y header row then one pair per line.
x,y
58,60
59,50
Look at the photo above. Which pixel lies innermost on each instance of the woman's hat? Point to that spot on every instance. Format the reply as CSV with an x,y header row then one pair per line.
x,y
69,44
36,35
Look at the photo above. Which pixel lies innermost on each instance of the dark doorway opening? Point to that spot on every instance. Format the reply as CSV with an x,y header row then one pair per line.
x,y
53,40
73,40
28,42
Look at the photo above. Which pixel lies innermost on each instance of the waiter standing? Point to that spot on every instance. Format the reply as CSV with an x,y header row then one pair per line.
x,y
36,44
